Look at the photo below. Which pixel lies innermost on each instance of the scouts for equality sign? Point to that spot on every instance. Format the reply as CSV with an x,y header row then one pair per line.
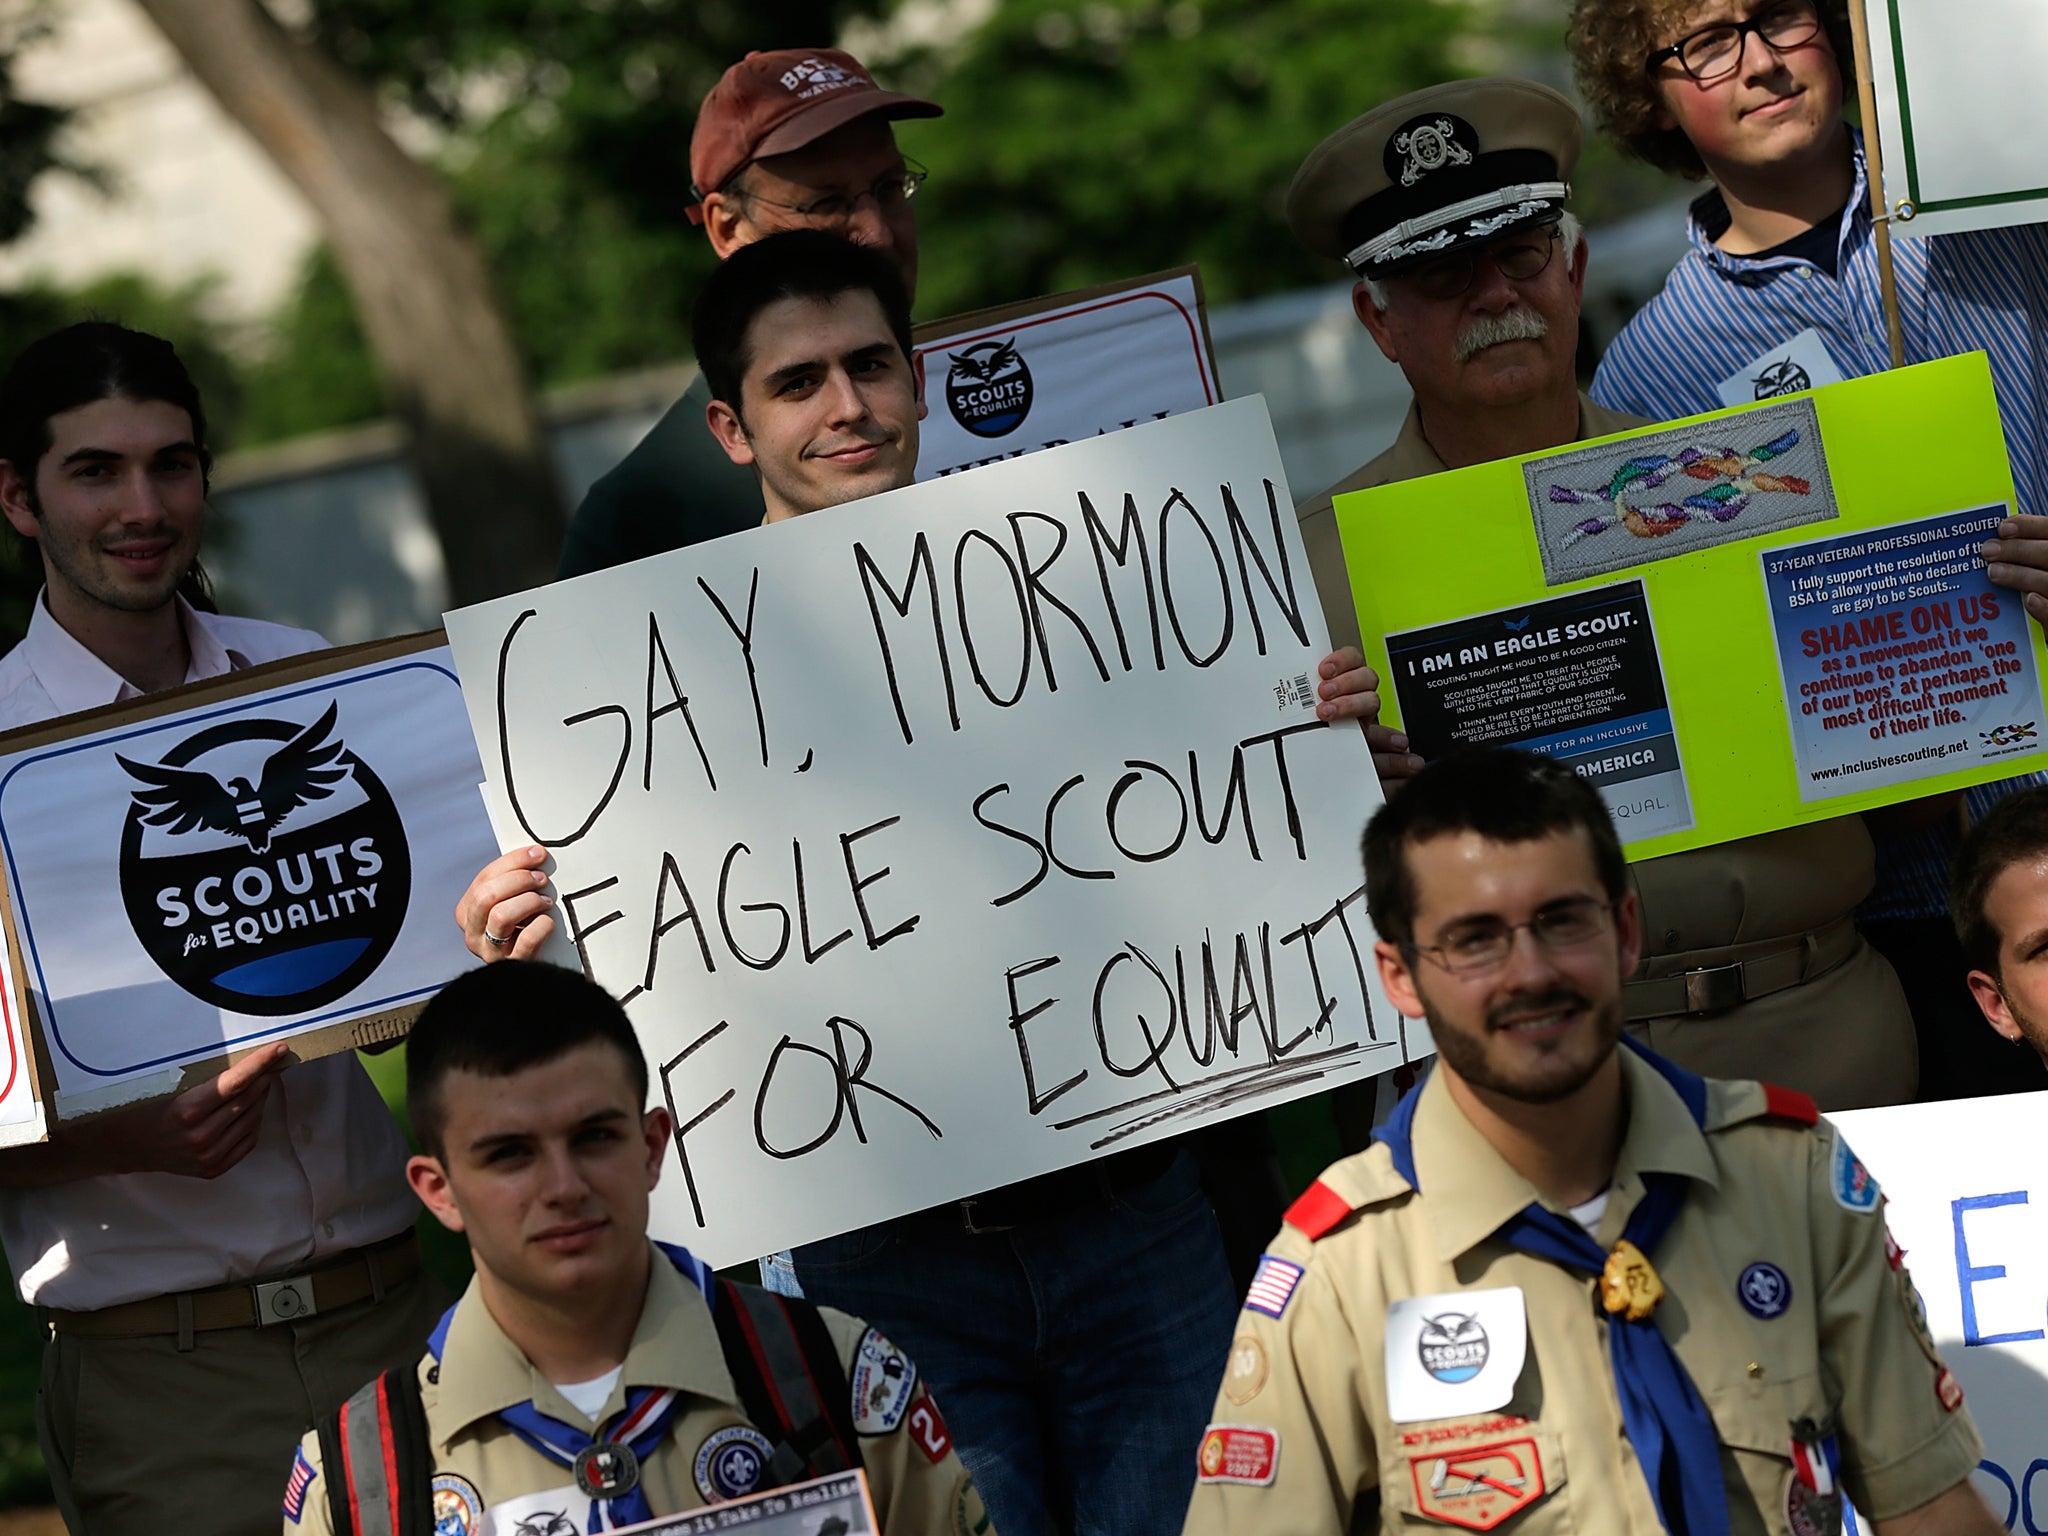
x,y
1731,624
1009,381
955,835
268,855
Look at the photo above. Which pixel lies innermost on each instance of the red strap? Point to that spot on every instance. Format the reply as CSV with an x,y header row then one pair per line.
x,y
1790,1104
395,1491
1318,1210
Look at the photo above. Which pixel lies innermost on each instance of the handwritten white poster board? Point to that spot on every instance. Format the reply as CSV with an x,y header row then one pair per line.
x,y
1959,109
956,835
1966,1191
1005,382
270,855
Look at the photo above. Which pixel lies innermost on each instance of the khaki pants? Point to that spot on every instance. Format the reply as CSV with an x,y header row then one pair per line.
x,y
143,1439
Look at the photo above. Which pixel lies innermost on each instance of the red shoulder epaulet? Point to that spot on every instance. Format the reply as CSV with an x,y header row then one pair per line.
x,y
1790,1104
1318,1210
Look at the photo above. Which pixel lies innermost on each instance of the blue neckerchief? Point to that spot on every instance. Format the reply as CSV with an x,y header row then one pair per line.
x,y
641,1425
1661,1412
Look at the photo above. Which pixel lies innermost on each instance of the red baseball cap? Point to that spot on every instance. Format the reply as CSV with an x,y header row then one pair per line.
x,y
771,103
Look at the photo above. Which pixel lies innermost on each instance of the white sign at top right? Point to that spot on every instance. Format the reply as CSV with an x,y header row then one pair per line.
x,y
1959,111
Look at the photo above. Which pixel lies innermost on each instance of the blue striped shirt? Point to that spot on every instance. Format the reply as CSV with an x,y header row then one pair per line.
x,y
1986,290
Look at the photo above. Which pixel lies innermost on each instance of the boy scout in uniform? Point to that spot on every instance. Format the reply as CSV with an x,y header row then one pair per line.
x,y
581,1383
1572,1286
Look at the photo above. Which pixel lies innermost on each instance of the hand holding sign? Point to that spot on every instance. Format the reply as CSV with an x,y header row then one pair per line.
x,y
504,913
199,1134
2018,559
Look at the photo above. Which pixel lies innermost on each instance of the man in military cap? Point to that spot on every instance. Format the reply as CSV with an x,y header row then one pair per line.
x,y
1573,1285
1449,207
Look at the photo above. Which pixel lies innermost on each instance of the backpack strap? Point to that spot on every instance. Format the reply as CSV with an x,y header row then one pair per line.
x,y
379,1470
790,1381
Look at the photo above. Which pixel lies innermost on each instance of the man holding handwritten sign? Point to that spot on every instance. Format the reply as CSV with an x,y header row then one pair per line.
x,y
1100,1291
1448,205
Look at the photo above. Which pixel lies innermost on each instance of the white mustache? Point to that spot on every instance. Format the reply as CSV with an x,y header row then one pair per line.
x,y
1492,330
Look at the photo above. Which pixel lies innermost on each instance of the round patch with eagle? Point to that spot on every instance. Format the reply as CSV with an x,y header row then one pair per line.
x,y
988,388
264,866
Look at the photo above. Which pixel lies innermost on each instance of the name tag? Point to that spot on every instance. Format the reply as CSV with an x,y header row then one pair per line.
x,y
1454,1354
1801,363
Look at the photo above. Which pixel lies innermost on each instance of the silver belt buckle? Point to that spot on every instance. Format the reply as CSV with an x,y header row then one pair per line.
x,y
1714,989
284,1301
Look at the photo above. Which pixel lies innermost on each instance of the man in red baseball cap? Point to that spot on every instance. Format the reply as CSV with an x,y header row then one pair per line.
x,y
788,139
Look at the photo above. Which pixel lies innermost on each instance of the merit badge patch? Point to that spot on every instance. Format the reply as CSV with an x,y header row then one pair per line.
x,y
458,1508
1855,1189
1272,1286
1948,1390
303,1473
1480,1486
1764,1290
730,1462
929,1431
1246,1373
883,1379
1239,1453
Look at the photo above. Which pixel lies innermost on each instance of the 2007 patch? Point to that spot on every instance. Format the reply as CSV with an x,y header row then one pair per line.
x,y
458,1507
1239,1453
730,1462
1246,1372
1478,1486
303,1473
883,1379
1855,1188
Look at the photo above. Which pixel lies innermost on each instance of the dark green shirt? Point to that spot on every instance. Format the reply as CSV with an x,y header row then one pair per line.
x,y
676,488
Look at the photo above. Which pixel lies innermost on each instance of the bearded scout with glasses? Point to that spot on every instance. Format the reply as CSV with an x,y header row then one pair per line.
x,y
1449,207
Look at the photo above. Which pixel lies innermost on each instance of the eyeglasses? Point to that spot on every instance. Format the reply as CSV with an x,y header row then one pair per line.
x,y
1713,53
889,193
1519,257
1484,943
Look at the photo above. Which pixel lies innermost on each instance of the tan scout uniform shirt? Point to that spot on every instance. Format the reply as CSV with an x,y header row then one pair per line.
x,y
914,1476
1846,1352
1795,994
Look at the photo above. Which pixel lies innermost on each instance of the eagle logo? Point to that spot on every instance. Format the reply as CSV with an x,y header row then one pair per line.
x,y
547,1522
1453,1346
298,773
988,388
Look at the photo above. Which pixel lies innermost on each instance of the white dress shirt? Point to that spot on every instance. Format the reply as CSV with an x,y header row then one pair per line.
x,y
327,1171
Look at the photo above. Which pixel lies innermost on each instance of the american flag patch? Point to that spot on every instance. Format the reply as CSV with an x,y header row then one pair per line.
x,y
295,1487
1272,1286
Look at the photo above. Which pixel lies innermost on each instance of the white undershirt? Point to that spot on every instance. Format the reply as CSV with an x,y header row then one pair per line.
x,y
1587,1216
589,1397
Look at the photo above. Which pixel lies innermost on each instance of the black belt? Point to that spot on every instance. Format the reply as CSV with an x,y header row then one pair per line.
x,y
1054,1194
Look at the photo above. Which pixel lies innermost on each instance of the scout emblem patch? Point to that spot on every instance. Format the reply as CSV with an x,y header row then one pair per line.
x,y
458,1508
730,1462
1855,1189
1239,1453
882,1380
1628,1284
1480,1486
1273,1286
303,1473
1764,1291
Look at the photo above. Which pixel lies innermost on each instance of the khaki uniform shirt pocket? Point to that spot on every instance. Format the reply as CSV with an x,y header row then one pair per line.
x,y
1755,1419
1495,1472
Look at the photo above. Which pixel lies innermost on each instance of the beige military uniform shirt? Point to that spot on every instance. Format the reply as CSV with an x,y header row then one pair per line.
x,y
1794,994
486,1480
1319,1413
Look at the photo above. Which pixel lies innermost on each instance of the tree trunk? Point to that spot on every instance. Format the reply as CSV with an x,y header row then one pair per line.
x,y
420,285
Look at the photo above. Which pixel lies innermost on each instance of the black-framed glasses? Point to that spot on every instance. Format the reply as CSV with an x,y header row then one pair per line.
x,y
1483,944
1520,257
1714,53
889,193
